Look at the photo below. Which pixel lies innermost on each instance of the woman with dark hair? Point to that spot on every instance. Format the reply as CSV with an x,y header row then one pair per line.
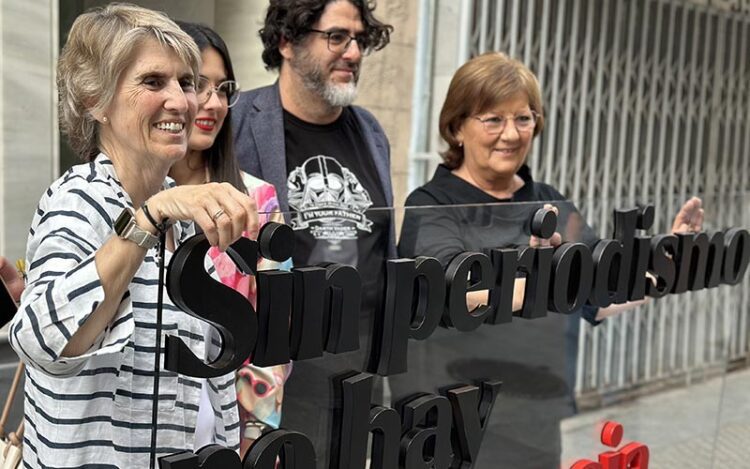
x,y
210,154
210,158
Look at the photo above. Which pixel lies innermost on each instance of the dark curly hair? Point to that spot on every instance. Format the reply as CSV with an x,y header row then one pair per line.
x,y
292,20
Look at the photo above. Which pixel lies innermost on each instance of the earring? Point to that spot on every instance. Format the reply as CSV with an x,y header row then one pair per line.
x,y
105,120
460,144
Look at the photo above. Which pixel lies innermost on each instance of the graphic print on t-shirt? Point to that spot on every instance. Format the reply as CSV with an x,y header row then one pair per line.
x,y
329,200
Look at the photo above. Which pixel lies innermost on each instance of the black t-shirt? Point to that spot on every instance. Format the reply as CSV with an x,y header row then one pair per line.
x,y
536,359
450,230
334,190
460,224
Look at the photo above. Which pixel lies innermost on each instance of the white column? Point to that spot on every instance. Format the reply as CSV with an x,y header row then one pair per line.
x,y
238,22
451,50
28,117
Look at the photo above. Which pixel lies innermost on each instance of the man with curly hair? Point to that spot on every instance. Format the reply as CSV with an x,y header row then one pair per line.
x,y
329,161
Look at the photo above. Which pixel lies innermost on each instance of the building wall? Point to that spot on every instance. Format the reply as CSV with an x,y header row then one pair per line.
x,y
28,139
238,22
187,10
386,84
30,149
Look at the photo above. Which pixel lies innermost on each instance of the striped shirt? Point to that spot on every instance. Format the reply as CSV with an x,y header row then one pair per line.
x,y
95,410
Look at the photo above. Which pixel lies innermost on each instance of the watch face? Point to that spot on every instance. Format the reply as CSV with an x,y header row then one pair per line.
x,y
123,221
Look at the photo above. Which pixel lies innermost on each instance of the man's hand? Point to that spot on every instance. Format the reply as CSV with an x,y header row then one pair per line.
x,y
12,279
690,217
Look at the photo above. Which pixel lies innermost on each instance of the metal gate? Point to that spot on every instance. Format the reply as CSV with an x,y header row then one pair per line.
x,y
646,101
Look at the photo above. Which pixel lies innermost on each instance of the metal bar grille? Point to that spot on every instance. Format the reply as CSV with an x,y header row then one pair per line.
x,y
647,100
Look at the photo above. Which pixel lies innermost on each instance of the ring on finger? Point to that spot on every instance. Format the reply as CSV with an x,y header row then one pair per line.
x,y
218,213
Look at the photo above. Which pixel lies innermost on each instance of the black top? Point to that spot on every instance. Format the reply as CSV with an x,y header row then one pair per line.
x,y
332,188
535,360
455,227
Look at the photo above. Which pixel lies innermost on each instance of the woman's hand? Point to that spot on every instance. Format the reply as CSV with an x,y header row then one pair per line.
x,y
12,279
556,238
222,212
690,217
688,220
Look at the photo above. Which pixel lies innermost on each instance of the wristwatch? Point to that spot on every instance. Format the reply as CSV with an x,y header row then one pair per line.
x,y
126,228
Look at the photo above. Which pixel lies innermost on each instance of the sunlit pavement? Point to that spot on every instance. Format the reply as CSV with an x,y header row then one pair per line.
x,y
705,425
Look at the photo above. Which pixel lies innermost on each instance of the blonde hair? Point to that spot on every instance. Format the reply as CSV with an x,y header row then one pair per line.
x,y
100,46
480,84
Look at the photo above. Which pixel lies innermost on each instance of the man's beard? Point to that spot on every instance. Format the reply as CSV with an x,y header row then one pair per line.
x,y
315,80
340,95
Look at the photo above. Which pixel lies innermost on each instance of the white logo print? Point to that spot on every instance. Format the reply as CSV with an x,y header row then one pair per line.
x,y
329,200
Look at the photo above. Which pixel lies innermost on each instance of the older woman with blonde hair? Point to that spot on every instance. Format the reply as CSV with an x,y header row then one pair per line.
x,y
86,326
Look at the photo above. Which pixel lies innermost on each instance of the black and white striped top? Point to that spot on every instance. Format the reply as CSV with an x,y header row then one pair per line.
x,y
95,410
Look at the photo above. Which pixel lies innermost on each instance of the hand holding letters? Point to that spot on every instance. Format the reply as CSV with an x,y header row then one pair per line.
x,y
222,212
690,217
12,279
554,239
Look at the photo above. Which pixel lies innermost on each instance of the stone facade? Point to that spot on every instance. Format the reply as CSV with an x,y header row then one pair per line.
x,y
30,150
386,86
28,117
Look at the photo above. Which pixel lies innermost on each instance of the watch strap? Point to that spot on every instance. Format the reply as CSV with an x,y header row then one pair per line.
x,y
141,237
126,228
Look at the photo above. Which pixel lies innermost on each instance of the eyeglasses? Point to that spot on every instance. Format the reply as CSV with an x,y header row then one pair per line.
x,y
339,41
524,122
227,91
260,387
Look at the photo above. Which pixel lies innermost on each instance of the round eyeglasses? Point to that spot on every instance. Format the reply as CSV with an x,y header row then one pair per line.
x,y
227,91
260,386
523,122
339,41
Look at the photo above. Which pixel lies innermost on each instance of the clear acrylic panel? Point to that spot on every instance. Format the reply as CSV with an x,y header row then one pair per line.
x,y
659,368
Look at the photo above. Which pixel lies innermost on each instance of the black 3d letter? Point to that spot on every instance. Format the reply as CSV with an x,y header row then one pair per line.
x,y
692,260
427,441
194,291
414,300
274,308
661,264
356,420
537,263
325,310
736,255
572,272
631,278
471,413
715,260
218,457
343,295
307,312
505,265
208,457
295,450
467,272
